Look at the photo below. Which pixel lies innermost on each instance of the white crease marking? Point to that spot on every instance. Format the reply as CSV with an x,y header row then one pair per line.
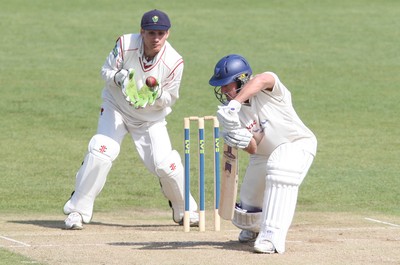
x,y
381,222
15,241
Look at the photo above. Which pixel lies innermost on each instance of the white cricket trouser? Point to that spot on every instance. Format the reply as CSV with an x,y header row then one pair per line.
x,y
151,138
153,145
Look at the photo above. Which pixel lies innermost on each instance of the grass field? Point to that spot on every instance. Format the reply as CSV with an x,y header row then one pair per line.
x,y
340,60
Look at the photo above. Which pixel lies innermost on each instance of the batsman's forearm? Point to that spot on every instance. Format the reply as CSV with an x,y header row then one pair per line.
x,y
256,84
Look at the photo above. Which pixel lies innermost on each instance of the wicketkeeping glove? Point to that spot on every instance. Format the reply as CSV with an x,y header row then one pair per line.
x,y
239,138
228,115
150,94
120,77
130,92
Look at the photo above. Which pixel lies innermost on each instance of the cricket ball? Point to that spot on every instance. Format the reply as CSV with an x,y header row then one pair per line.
x,y
151,81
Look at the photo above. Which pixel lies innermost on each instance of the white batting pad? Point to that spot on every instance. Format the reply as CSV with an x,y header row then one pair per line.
x,y
287,167
92,175
170,173
279,205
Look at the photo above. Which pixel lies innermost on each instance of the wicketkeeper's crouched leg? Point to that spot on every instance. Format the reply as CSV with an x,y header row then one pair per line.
x,y
92,175
171,176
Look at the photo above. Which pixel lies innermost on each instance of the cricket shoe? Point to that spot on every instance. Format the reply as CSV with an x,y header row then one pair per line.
x,y
263,245
246,236
194,219
74,221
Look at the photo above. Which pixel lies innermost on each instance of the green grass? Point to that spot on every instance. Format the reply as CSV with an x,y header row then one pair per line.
x,y
8,258
339,58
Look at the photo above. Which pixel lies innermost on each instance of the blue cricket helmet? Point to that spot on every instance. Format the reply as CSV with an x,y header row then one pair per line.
x,y
230,68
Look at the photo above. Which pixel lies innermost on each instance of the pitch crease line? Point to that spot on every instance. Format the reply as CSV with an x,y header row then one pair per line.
x,y
15,241
381,222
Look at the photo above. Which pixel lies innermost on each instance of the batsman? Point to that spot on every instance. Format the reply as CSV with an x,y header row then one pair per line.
x,y
142,77
257,116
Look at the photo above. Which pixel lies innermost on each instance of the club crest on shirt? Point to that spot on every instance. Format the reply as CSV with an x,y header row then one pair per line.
x,y
115,51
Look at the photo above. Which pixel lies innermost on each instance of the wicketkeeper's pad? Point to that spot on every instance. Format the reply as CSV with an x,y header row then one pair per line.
x,y
170,173
91,177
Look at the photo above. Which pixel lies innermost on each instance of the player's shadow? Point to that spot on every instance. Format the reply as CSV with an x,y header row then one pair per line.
x,y
228,245
151,245
59,224
140,227
42,223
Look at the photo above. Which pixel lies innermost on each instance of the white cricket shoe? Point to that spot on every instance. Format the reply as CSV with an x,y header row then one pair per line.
x,y
74,221
194,219
263,245
247,236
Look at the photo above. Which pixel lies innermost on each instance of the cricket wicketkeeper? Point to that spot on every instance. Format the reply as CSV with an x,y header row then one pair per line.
x,y
258,116
142,77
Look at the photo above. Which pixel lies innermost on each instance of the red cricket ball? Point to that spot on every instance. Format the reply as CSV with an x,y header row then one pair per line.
x,y
151,81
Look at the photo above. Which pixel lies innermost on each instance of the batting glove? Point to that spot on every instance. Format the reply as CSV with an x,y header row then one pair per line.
x,y
228,115
239,138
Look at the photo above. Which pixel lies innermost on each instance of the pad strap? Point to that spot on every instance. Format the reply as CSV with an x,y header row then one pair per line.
x,y
247,220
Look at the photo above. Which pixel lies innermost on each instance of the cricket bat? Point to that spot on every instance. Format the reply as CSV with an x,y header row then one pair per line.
x,y
229,182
